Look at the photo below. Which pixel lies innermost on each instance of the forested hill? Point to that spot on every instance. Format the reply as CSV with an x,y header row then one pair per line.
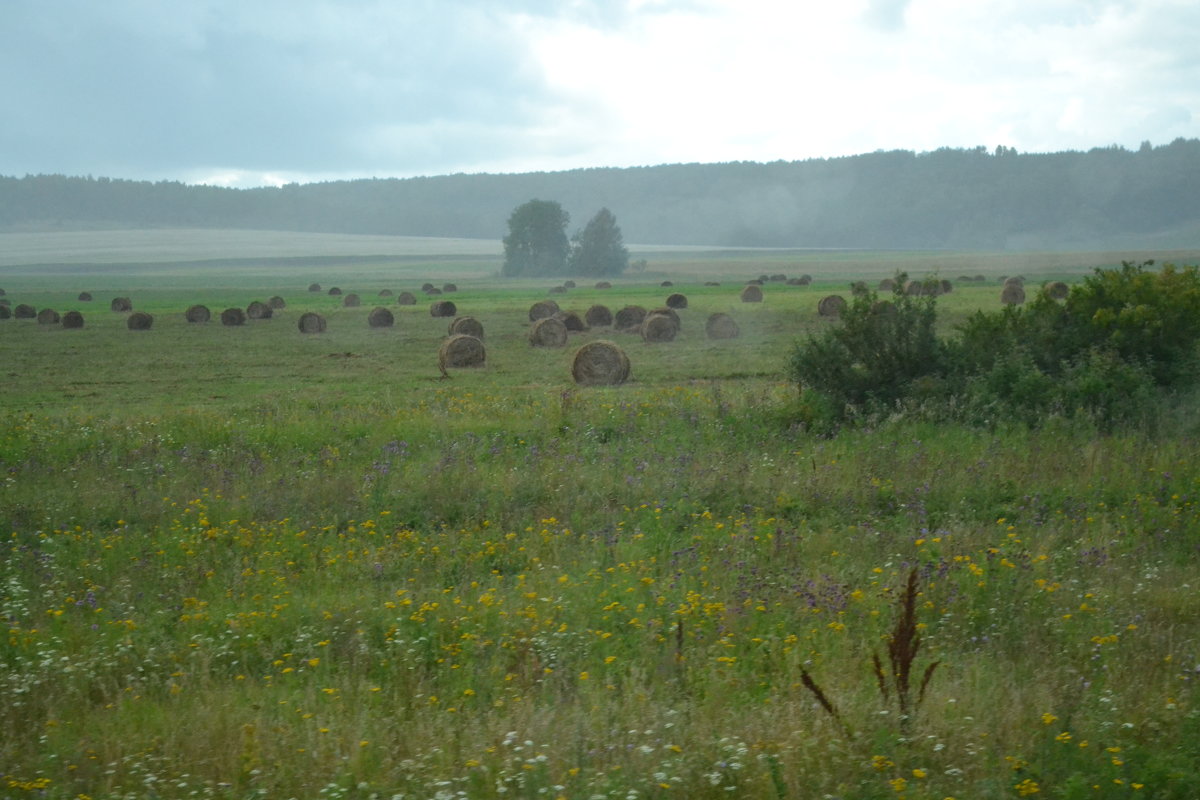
x,y
949,198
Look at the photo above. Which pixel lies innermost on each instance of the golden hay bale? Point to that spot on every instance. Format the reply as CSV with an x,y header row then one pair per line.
x,y
314,287
752,294
669,312
85,297
233,317
542,309
351,301
443,308
629,318
139,321
276,303
197,313
427,287
258,310
598,316
1013,294
676,301
406,299
24,311
311,322
334,291
5,312
48,316
721,326
72,320
600,363
548,332
572,320
449,287
461,350
380,317
1018,280
831,306
121,304
385,292
887,285
658,327
603,285
1057,290
467,325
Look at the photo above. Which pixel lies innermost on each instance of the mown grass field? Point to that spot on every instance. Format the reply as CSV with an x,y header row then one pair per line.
x,y
246,562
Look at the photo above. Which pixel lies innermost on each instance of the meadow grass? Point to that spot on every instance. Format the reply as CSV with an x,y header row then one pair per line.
x,y
245,562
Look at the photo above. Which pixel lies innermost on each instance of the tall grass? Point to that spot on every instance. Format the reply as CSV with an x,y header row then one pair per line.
x,y
316,576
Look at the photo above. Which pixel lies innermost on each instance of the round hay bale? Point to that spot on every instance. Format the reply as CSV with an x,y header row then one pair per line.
x,y
676,301
2,293
569,284
4,301
665,284
5,312
449,287
572,320
233,317
629,318
779,277
558,290
257,310
406,299
427,287
859,289
467,325
197,313
1013,294
443,308
1019,280
433,291
657,327
276,303
548,332
752,294
85,297
48,316
461,350
755,282
351,301
121,304
721,326
314,287
669,312
72,320
311,322
793,282
1057,290
831,306
385,292
542,309
380,317
598,316
946,286
600,363
887,285
139,321
712,283
603,285
764,278
334,291
805,280
883,308
24,311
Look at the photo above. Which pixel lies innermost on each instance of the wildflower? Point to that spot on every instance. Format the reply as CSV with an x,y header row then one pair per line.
x,y
1027,787
1048,718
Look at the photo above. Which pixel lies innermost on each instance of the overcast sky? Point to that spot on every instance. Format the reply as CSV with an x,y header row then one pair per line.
x,y
252,92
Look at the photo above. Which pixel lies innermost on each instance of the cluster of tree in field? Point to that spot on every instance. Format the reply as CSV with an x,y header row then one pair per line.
x,y
537,243
1111,350
949,198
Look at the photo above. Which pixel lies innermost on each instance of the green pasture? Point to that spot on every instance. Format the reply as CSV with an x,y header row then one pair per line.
x,y
247,562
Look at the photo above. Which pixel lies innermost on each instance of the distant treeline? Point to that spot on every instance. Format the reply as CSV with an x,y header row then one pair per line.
x,y
948,198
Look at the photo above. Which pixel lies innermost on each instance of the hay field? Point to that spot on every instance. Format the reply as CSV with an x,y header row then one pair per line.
x,y
251,562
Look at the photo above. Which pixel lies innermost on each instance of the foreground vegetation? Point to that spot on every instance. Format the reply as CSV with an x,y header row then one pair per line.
x,y
244,563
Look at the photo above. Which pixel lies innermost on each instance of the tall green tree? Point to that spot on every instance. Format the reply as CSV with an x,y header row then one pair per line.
x,y
536,243
599,250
